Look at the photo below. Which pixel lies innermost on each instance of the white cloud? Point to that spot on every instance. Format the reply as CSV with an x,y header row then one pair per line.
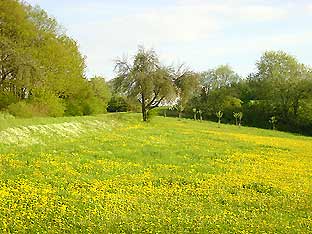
x,y
241,10
309,8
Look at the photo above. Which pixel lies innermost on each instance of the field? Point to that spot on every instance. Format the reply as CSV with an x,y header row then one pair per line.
x,y
114,173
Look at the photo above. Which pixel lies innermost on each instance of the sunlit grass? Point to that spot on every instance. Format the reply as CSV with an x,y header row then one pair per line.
x,y
115,173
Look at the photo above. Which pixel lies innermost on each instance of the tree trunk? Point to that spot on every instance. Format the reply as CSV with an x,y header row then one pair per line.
x,y
180,115
144,114
144,111
296,107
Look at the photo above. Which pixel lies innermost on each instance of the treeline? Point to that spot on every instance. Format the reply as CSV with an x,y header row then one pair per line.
x,y
278,94
42,72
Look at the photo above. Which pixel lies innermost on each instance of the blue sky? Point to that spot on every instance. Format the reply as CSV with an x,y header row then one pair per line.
x,y
201,34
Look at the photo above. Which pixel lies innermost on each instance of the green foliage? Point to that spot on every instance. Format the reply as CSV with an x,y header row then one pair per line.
x,y
145,79
160,111
7,98
100,89
187,83
93,105
91,97
42,104
280,87
35,55
20,109
217,92
47,105
117,104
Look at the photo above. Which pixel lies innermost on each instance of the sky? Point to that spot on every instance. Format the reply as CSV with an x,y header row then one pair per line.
x,y
200,34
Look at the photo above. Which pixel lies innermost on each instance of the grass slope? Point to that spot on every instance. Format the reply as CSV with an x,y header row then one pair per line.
x,y
113,173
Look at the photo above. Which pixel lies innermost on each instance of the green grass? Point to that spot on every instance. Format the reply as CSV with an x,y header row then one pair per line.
x,y
113,173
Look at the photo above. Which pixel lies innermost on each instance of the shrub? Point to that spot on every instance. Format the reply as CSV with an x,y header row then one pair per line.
x,y
94,105
88,106
48,105
6,99
20,109
117,104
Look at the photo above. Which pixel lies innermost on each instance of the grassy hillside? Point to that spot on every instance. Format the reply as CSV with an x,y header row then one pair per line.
x,y
115,173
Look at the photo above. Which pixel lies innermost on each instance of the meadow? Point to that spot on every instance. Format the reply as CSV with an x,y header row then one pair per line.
x,y
115,174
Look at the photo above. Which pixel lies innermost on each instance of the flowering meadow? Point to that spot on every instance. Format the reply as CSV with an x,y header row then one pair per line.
x,y
115,174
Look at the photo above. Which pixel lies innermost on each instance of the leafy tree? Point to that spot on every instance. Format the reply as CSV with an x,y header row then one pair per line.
x,y
36,56
101,91
117,104
186,83
283,81
217,90
145,79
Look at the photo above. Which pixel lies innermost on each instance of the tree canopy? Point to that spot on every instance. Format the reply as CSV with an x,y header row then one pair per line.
x,y
37,58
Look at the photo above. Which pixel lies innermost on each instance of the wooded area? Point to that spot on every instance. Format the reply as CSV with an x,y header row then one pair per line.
x,y
42,72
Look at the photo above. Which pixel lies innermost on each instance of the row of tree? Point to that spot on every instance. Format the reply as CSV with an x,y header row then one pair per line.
x,y
42,71
280,89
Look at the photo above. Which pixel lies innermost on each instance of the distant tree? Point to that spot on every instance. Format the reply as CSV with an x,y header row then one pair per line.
x,y
100,89
200,115
217,88
240,118
273,122
100,94
145,79
219,114
186,83
194,113
117,103
236,116
283,82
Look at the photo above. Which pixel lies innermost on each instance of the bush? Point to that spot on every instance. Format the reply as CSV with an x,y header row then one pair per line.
x,y
88,106
20,109
73,107
48,105
94,105
117,104
6,99
153,112
41,106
